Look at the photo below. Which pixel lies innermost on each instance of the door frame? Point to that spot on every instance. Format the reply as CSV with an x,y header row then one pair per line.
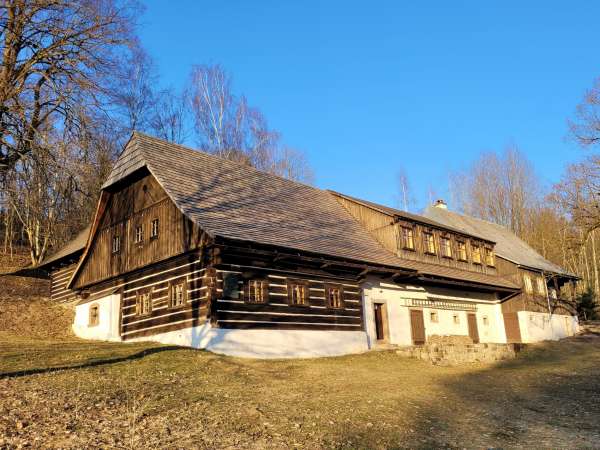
x,y
473,327
382,307
412,327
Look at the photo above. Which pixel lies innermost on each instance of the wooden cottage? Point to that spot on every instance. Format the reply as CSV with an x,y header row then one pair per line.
x,y
189,249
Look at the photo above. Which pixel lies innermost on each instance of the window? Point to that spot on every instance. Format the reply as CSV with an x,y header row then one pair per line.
x,y
257,291
177,293
541,286
334,295
456,319
408,239
527,284
116,244
476,254
154,229
231,285
485,320
429,243
446,247
489,257
552,293
94,315
143,306
139,234
433,317
298,293
462,250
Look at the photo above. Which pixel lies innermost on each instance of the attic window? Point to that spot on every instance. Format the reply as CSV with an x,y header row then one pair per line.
x,y
527,284
541,286
139,234
489,257
429,243
462,250
154,229
116,244
476,254
408,239
446,247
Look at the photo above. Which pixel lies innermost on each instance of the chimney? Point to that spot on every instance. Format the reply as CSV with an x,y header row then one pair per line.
x,y
440,204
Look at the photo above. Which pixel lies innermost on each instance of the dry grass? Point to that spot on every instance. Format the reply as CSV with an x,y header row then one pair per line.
x,y
150,396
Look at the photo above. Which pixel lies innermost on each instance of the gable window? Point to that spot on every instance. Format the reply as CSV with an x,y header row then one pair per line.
x,y
154,229
527,284
94,318
489,257
433,317
541,285
408,238
116,244
298,293
429,243
334,295
462,250
143,305
139,234
476,254
446,247
257,291
177,293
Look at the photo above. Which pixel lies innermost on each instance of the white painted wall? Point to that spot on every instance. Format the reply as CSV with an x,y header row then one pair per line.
x,y
536,327
265,343
494,331
108,326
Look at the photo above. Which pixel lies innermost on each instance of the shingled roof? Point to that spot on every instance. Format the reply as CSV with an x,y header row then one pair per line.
x,y
71,248
508,245
234,201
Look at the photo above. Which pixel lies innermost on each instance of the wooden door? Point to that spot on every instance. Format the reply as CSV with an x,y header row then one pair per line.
x,y
473,331
417,326
379,321
511,325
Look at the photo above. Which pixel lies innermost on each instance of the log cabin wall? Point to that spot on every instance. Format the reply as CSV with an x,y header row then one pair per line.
x,y
135,205
59,278
388,232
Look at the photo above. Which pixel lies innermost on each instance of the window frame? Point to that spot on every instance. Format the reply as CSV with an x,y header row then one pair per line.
x,y
527,284
139,241
541,283
138,302
433,314
328,288
264,291
426,249
443,248
172,286
476,250
116,238
461,244
96,321
290,284
404,239
490,257
154,235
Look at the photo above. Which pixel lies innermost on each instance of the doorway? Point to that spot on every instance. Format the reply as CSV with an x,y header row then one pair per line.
x,y
417,326
379,312
473,331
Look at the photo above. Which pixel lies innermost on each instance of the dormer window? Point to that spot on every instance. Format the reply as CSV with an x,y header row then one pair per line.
x,y
429,243
489,257
408,238
446,247
527,284
462,250
476,254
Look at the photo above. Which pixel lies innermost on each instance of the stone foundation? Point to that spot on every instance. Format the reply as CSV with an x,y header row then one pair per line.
x,y
450,351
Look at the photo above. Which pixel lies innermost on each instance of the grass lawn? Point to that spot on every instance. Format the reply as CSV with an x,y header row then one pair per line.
x,y
72,394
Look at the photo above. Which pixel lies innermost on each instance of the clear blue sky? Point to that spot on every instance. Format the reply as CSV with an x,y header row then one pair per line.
x,y
365,88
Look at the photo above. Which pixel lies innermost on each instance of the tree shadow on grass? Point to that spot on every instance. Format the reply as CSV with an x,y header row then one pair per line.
x,y
89,363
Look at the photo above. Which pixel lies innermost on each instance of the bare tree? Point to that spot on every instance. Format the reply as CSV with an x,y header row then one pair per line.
x,y
404,190
55,56
169,117
585,128
228,127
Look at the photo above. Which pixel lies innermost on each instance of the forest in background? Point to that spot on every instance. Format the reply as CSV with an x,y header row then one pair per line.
x,y
75,82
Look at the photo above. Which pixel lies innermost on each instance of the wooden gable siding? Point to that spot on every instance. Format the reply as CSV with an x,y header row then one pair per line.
x,y
389,234
525,301
137,204
58,284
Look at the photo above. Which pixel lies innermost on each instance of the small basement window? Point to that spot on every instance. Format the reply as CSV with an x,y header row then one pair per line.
x,y
139,234
486,320
257,291
334,295
143,303
433,317
456,319
177,293
94,318
298,293
154,229
116,244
